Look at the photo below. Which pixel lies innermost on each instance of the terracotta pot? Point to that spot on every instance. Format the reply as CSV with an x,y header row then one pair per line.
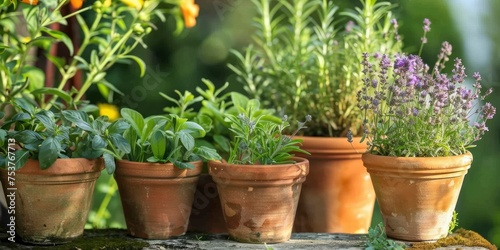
x,y
417,195
337,196
259,201
206,213
51,206
156,198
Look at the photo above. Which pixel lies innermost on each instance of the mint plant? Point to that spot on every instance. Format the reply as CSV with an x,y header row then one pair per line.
x,y
46,136
164,139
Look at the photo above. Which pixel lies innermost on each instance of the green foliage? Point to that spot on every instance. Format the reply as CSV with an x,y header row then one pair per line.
x,y
305,61
164,139
377,240
257,135
453,223
113,32
47,136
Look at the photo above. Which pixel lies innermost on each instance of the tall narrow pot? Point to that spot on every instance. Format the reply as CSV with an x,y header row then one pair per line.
x,y
156,198
259,201
51,205
337,196
417,195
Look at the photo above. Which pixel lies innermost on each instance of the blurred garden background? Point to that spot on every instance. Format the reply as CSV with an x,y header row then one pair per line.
x,y
179,62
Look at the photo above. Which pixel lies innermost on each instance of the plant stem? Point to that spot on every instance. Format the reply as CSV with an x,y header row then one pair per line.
x,y
105,202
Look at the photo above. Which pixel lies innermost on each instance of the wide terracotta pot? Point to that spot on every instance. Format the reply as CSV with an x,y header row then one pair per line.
x,y
417,195
259,201
156,198
206,214
337,196
51,205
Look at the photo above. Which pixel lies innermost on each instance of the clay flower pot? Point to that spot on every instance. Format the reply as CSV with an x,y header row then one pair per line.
x,y
206,214
337,196
417,195
259,201
51,206
156,198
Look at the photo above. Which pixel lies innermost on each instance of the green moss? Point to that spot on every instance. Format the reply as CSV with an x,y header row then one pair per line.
x,y
461,237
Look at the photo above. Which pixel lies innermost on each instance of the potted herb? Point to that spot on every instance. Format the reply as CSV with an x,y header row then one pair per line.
x,y
157,178
306,60
420,124
259,185
50,162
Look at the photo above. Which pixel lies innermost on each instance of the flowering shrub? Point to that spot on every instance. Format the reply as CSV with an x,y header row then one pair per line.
x,y
109,35
411,110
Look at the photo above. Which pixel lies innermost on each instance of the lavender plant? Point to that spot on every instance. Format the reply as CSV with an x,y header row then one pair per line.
x,y
413,111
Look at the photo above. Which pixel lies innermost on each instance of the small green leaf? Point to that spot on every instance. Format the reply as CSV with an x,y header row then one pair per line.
x,y
53,91
183,165
61,36
48,120
25,106
194,129
223,142
27,136
49,151
139,61
158,144
109,163
119,142
239,101
207,153
22,157
187,140
118,127
153,159
98,142
79,118
134,118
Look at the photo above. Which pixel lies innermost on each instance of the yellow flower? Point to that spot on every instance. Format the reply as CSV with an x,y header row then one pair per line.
x,y
106,3
109,110
190,11
134,3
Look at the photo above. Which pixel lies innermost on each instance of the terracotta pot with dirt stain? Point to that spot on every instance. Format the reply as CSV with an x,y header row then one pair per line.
x,y
337,196
259,201
51,205
417,195
156,198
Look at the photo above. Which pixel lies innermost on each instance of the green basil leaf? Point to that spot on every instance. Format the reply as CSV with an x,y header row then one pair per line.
x,y
22,157
207,153
49,151
98,142
183,165
134,118
120,143
187,140
158,144
79,118
109,163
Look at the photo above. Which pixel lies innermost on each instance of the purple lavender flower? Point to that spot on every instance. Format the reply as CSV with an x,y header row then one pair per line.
x,y
489,111
427,25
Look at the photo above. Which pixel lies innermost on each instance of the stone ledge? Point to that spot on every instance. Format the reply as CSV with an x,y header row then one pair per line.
x,y
118,239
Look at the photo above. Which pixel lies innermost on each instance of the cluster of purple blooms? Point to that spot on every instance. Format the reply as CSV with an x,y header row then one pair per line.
x,y
404,96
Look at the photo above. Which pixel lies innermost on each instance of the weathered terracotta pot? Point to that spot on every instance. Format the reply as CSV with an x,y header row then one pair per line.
x,y
156,198
51,206
259,201
417,195
337,196
206,214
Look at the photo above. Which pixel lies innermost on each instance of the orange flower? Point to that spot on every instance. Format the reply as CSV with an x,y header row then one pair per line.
x,y
189,11
31,2
76,4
